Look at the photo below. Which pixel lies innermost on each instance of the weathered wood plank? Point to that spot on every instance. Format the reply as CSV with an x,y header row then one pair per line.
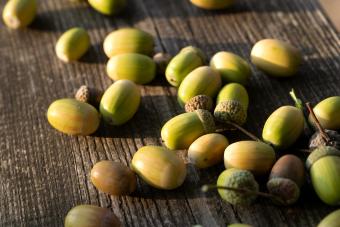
x,y
43,173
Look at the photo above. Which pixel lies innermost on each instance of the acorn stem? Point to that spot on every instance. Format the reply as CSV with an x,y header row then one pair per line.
x,y
243,130
299,104
208,187
318,125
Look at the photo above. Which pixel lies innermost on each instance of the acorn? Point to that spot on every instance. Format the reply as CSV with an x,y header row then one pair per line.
x,y
239,179
138,68
197,102
327,112
19,13
120,102
108,7
182,130
232,68
113,178
72,44
318,140
232,104
254,156
276,58
207,150
283,127
73,117
159,167
212,4
91,216
128,40
162,60
239,225
188,59
324,168
331,220
89,95
286,178
201,81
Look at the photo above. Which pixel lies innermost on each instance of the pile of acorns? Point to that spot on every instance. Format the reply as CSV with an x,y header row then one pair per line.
x,y
196,130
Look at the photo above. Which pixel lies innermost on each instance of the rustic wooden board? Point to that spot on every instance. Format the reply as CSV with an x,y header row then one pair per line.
x,y
44,173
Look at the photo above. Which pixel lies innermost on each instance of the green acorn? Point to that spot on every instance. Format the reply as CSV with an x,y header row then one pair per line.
x,y
232,104
331,220
283,127
108,7
327,112
201,81
324,168
188,59
181,131
19,13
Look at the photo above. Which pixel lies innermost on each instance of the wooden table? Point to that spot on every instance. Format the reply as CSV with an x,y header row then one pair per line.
x,y
44,173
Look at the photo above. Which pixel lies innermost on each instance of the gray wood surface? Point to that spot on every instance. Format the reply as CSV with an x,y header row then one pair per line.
x,y
44,173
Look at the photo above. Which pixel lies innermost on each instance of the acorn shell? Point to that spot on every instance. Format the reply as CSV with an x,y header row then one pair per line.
x,y
182,130
138,68
256,157
113,178
328,113
73,117
234,92
331,220
283,127
212,4
231,67
201,81
188,59
19,13
207,150
108,7
276,58
91,216
128,40
120,102
72,44
159,167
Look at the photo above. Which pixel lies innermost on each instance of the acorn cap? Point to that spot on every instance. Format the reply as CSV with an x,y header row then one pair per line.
x,y
230,111
320,152
88,95
199,102
317,139
237,178
207,120
285,189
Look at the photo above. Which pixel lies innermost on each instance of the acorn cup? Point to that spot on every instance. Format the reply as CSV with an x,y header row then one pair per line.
x,y
91,216
286,178
188,59
283,127
128,40
202,81
197,102
232,104
159,167
182,130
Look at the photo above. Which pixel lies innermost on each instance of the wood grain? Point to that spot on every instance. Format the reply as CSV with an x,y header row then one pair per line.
x,y
44,173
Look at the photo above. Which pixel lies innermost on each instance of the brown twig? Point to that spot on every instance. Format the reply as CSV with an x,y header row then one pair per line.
x,y
251,135
318,125
208,187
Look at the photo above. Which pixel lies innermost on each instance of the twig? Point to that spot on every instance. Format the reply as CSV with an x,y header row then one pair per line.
x,y
324,135
246,132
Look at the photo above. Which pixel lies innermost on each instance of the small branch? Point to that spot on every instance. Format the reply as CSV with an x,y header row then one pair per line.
x,y
208,187
318,125
251,135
